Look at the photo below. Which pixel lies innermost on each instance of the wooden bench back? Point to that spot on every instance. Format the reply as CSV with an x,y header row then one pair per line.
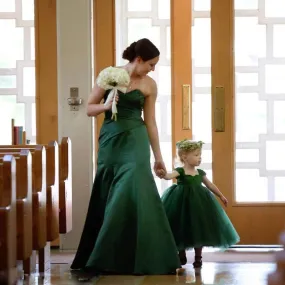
x,y
8,219
65,186
64,183
38,193
52,188
24,203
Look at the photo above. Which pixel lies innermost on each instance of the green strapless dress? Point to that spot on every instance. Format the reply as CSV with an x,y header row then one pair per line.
x,y
196,217
126,229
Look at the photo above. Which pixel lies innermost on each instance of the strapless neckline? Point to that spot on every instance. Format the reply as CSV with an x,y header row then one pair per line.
x,y
135,90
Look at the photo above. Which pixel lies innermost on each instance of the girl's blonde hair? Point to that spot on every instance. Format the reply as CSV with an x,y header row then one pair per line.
x,y
186,146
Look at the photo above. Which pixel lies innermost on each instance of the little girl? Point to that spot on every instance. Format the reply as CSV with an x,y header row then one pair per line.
x,y
196,217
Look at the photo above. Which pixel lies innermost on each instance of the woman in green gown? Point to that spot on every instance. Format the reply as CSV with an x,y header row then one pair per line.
x,y
126,229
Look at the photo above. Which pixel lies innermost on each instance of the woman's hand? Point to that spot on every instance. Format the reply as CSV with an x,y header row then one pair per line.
x,y
224,200
159,168
109,102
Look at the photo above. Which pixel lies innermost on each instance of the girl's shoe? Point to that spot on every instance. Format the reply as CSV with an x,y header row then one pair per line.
x,y
198,262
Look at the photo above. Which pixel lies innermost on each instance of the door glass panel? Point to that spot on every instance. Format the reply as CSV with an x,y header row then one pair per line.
x,y
29,81
17,64
250,41
246,79
168,43
202,126
201,70
279,189
201,41
274,79
28,10
247,155
274,8
164,9
138,6
164,75
7,6
246,4
155,25
278,42
275,155
202,80
250,186
33,44
12,48
10,109
141,26
202,5
279,117
34,122
259,102
8,81
251,122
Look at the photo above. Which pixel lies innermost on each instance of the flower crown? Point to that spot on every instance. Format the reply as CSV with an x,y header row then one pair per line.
x,y
189,145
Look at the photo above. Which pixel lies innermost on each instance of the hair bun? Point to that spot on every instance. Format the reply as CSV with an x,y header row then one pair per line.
x,y
130,52
143,48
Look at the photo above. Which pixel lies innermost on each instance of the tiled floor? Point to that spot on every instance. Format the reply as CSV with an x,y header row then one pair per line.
x,y
212,273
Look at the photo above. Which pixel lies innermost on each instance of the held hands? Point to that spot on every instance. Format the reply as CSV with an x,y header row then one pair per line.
x,y
224,200
159,168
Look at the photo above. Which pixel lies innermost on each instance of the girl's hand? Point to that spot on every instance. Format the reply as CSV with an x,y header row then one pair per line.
x,y
109,102
159,168
224,200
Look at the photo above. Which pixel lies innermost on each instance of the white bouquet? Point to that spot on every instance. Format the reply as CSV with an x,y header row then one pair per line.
x,y
113,78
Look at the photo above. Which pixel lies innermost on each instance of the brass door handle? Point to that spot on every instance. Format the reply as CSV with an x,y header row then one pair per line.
x,y
186,107
219,109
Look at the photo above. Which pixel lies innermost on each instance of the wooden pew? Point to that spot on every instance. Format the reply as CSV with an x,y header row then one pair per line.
x,y
58,198
65,186
39,221
64,181
52,181
8,265
278,277
24,210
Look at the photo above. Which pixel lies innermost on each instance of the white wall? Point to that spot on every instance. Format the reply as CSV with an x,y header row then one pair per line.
x,y
75,70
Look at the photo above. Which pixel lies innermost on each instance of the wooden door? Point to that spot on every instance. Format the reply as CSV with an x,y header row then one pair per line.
x,y
238,78
248,161
237,94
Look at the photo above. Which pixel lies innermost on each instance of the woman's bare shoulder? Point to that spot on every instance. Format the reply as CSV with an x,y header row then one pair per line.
x,y
150,80
150,86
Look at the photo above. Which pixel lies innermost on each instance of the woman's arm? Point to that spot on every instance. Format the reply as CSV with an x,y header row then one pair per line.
x,y
149,118
94,105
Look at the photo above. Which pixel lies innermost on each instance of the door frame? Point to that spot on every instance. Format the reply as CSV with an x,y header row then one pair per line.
x,y
181,71
46,71
104,53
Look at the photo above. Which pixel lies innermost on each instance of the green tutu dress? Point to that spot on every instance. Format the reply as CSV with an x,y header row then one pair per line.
x,y
195,216
126,229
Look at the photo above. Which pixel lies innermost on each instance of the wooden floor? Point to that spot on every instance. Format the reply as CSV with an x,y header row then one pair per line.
x,y
212,273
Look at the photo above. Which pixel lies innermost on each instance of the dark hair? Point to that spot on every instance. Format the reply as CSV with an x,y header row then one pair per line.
x,y
143,48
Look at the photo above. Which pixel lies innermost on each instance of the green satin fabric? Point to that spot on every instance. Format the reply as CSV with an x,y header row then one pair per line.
x,y
126,229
